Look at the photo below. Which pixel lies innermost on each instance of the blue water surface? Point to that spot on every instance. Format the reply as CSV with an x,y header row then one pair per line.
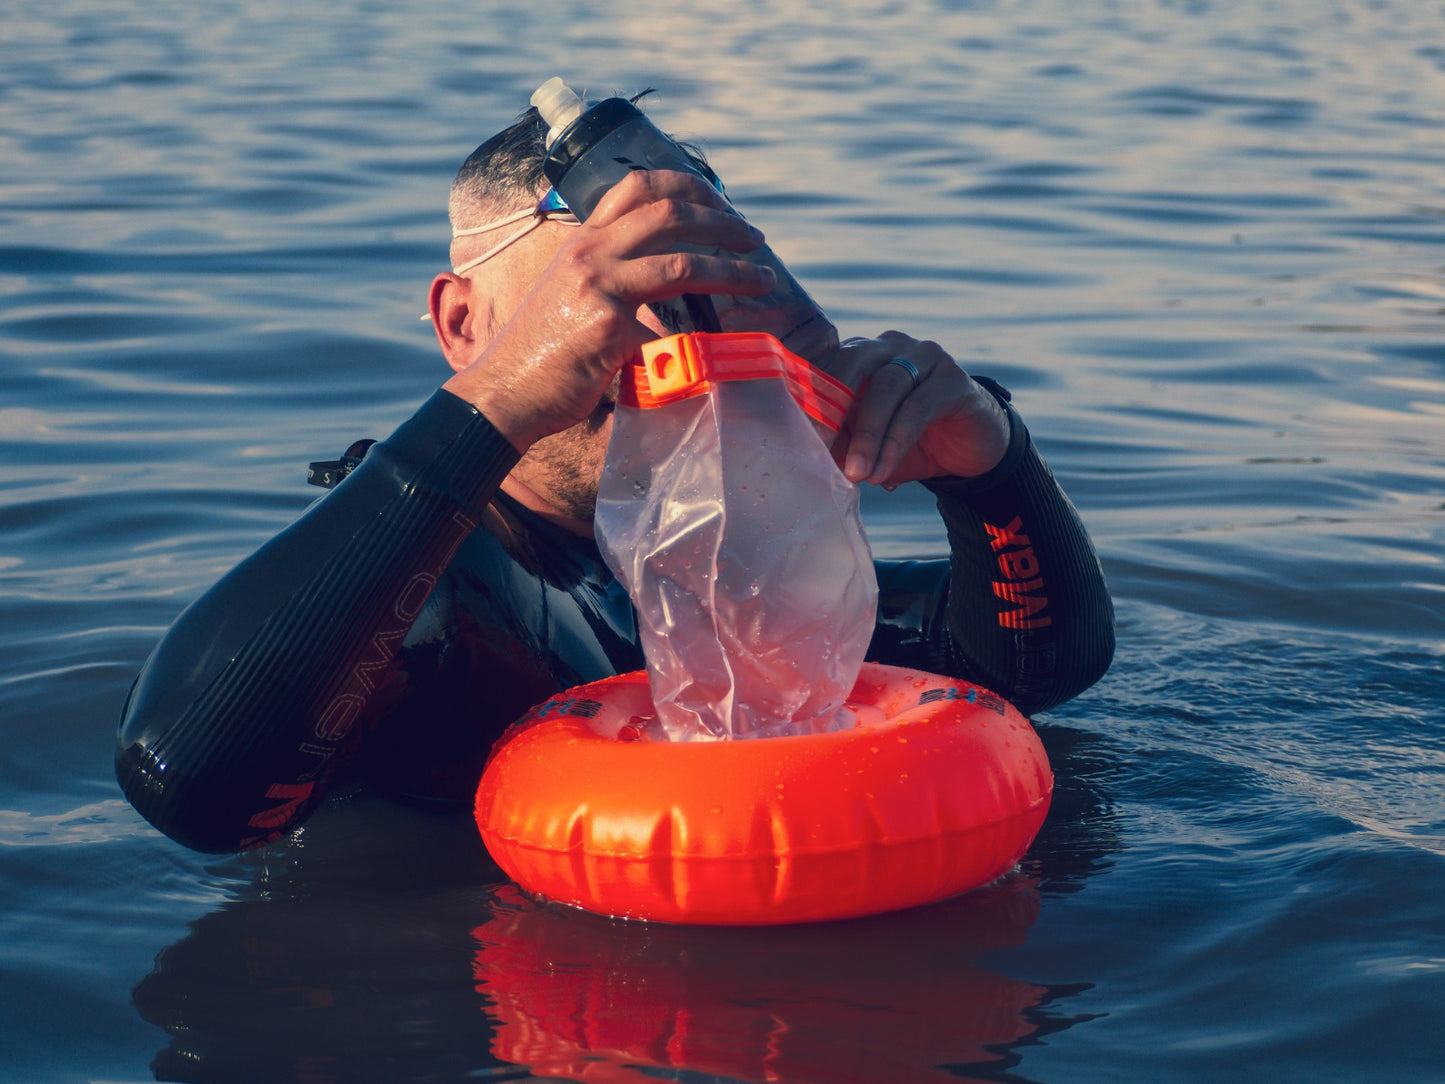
x,y
1204,244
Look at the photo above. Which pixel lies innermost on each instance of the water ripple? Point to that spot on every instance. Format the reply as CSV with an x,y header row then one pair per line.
x,y
1199,241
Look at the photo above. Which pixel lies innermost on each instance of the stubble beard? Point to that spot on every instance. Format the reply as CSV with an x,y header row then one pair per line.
x,y
566,467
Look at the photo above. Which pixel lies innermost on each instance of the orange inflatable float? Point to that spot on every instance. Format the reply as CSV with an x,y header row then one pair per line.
x,y
939,788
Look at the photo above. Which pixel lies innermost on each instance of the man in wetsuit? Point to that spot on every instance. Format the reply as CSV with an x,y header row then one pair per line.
x,y
451,581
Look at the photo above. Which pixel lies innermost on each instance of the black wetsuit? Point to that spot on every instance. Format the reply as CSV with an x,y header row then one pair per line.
x,y
399,625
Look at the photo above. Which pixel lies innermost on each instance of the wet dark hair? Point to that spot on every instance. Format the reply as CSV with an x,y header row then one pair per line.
x,y
505,173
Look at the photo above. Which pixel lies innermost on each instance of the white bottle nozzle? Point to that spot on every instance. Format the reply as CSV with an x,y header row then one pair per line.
x,y
558,105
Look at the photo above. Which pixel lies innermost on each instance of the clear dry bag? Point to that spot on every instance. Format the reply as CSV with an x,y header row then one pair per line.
x,y
738,538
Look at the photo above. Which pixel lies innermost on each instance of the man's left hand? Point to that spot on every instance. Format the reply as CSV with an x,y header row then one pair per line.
x,y
901,429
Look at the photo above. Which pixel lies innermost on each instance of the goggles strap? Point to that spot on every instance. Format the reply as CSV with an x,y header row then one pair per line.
x,y
536,217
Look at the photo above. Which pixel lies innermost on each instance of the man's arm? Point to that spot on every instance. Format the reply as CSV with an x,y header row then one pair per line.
x,y
1028,613
1024,610
262,687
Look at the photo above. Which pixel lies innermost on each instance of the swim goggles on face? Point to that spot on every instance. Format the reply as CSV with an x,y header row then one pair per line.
x,y
551,208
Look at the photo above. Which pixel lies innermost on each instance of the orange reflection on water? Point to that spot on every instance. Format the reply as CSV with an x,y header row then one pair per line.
x,y
885,1000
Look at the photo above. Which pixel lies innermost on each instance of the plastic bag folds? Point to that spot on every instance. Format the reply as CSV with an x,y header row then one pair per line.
x,y
739,540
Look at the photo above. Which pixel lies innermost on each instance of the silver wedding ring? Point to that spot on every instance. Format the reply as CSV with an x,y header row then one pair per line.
x,y
908,367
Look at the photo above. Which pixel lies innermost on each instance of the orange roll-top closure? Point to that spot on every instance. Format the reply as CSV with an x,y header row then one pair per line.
x,y
682,366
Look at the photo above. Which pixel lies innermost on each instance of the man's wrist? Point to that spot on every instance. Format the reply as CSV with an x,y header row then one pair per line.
x,y
1017,446
490,403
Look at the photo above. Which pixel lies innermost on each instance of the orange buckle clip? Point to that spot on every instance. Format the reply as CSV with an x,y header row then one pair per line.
x,y
681,366
673,367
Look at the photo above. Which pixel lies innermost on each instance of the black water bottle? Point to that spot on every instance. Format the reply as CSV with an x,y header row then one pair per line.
x,y
591,149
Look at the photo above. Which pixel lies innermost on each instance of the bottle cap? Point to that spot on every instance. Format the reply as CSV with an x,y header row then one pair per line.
x,y
558,105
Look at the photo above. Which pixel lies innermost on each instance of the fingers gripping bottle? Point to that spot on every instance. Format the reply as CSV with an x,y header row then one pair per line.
x,y
591,149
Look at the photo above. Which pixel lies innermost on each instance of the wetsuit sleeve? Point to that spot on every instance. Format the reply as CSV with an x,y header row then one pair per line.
x,y
258,691
1022,607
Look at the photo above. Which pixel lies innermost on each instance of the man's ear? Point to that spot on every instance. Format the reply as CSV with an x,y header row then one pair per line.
x,y
457,326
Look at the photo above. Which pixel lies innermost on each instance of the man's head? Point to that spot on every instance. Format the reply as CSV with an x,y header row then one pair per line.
x,y
470,304
501,176
500,249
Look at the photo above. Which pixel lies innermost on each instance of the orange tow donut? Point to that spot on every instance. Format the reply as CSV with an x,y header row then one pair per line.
x,y
940,788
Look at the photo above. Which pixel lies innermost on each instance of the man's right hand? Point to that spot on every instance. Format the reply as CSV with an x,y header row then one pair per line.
x,y
550,362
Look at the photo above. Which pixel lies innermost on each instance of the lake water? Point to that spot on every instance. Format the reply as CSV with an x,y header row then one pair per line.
x,y
1204,244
